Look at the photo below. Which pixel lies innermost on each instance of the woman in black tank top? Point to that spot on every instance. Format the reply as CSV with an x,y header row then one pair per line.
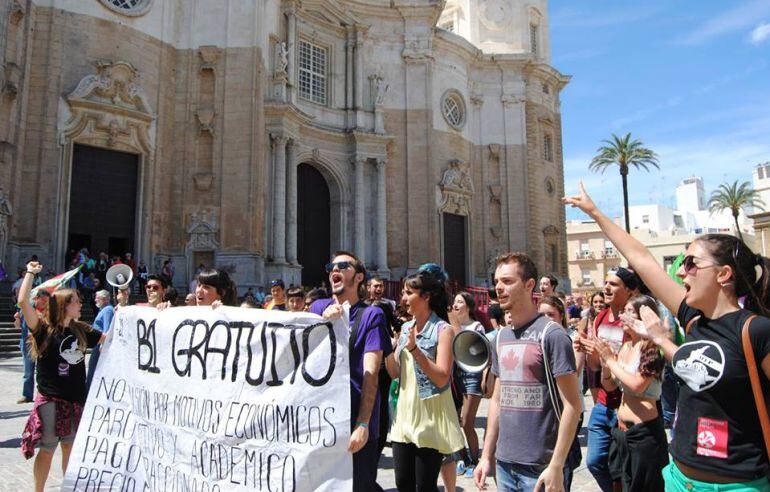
x,y
718,437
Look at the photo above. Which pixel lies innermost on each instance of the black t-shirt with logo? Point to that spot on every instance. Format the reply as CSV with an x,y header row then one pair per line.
x,y
61,370
717,428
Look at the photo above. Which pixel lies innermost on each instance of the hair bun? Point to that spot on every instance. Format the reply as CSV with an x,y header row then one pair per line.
x,y
435,270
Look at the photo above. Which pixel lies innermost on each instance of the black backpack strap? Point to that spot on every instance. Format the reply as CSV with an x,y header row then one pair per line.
x,y
360,308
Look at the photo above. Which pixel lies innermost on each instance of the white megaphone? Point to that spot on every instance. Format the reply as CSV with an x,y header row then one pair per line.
x,y
119,276
472,350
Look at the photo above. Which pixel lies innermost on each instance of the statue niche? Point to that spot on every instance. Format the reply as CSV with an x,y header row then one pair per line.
x,y
456,189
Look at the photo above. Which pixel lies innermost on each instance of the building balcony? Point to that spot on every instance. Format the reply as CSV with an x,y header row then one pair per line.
x,y
589,256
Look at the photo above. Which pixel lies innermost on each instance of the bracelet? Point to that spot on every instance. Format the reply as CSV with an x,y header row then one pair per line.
x,y
412,349
365,425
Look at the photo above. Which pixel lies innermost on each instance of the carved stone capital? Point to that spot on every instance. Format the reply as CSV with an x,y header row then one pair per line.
x,y
17,12
205,118
203,181
209,56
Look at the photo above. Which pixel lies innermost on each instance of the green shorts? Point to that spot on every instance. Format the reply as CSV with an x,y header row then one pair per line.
x,y
676,481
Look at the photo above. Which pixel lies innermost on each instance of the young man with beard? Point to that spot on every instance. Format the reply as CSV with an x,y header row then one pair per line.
x,y
535,405
369,344
619,286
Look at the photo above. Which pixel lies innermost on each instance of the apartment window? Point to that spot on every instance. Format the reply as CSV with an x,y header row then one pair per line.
x,y
546,90
312,72
586,276
534,34
645,219
761,172
548,147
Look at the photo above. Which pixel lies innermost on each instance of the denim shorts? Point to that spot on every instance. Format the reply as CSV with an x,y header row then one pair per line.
x,y
468,383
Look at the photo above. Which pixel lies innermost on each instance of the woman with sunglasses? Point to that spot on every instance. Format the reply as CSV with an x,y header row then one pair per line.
x,y
426,428
718,442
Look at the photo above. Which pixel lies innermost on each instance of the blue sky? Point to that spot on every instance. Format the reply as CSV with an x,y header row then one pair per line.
x,y
691,79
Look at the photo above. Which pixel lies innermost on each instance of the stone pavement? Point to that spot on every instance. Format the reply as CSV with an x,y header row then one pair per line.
x,y
16,472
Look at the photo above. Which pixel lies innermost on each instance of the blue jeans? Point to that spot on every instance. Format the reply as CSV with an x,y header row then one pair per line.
x,y
28,388
600,426
514,477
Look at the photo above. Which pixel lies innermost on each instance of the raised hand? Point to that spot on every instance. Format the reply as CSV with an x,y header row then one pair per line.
x,y
581,201
34,267
656,330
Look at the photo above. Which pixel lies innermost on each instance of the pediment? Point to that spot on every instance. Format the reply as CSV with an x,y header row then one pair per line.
x,y
115,85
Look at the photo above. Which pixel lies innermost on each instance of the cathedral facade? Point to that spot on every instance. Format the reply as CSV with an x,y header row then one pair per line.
x,y
261,135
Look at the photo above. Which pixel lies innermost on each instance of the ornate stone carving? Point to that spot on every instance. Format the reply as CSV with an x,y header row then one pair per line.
x,y
114,83
6,211
417,49
203,181
379,89
203,230
550,230
11,79
456,189
17,12
110,107
209,55
494,151
494,193
206,119
509,100
281,58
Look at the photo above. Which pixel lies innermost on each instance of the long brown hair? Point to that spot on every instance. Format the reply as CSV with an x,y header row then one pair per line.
x,y
52,322
730,251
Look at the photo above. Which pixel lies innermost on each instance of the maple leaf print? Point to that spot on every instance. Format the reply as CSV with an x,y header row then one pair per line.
x,y
510,360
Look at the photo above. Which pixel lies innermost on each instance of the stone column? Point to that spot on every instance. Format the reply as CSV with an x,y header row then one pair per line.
x,y
279,194
349,45
291,38
360,237
382,227
291,203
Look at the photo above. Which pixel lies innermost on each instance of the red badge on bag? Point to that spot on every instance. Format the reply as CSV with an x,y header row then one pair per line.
x,y
712,438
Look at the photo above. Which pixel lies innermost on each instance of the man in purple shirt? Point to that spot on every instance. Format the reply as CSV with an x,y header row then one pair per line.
x,y
369,343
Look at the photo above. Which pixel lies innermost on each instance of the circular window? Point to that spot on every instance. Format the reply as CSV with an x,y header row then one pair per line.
x,y
128,7
453,109
550,188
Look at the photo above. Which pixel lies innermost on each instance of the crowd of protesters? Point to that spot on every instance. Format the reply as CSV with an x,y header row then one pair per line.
x,y
707,328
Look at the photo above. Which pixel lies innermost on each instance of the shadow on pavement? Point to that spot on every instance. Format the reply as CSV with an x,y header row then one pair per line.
x,y
13,415
11,443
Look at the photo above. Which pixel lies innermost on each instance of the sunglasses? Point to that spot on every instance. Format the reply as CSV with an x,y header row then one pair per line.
x,y
342,265
152,287
690,267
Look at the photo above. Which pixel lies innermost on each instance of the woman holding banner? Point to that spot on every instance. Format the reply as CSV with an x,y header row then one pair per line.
x,y
58,344
425,428
215,288
718,443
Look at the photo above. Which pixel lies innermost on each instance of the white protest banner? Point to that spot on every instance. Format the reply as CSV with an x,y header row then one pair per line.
x,y
197,399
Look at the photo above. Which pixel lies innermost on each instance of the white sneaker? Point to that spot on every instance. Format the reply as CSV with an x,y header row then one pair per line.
x,y
460,468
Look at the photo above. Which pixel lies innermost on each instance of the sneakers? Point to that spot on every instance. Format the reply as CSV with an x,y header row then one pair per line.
x,y
469,471
460,468
23,399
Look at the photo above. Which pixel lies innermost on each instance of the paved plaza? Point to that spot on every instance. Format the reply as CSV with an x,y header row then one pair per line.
x,y
16,472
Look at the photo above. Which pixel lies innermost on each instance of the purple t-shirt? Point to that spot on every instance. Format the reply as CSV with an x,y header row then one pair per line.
x,y
372,336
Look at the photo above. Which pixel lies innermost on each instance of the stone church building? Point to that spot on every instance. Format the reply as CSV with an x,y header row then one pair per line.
x,y
261,135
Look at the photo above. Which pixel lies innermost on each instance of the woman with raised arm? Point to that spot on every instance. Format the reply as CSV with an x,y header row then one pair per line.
x,y
58,344
718,443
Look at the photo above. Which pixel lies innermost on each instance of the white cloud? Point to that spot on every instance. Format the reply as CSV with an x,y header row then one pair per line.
x,y
760,33
727,22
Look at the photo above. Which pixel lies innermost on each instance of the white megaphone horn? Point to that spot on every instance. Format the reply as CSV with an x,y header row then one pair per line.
x,y
472,351
119,276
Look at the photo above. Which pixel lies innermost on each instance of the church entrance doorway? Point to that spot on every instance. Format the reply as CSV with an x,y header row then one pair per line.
x,y
103,191
454,247
313,224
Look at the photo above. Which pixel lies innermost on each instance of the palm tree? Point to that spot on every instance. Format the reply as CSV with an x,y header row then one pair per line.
x,y
735,197
626,153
